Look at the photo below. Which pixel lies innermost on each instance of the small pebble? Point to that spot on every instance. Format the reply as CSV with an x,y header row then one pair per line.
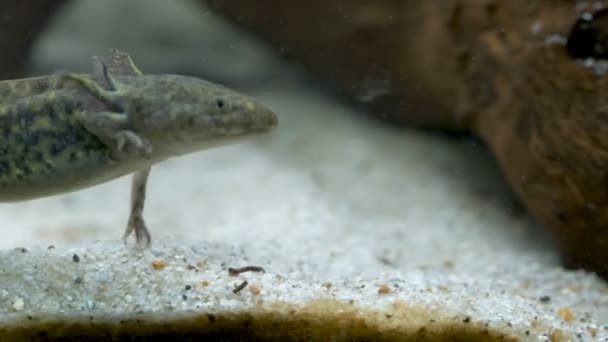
x,y
254,289
75,258
556,336
159,264
18,304
384,289
566,314
592,331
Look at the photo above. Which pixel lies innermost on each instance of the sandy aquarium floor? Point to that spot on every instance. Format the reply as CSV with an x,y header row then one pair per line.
x,y
331,197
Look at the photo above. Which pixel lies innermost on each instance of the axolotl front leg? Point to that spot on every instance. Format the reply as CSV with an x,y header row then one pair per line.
x,y
136,216
113,128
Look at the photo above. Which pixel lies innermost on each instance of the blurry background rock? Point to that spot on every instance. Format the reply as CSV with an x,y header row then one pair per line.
x,y
20,23
499,69
198,54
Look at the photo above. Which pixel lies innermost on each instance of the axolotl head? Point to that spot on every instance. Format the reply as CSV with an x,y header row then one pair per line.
x,y
182,114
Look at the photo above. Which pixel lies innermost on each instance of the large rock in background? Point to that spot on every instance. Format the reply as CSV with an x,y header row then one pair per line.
x,y
498,69
20,23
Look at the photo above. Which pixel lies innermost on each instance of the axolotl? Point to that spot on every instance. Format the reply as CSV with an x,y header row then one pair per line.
x,y
68,131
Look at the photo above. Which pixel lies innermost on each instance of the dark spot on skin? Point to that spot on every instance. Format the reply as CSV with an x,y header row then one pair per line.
x,y
24,114
38,156
72,156
92,146
40,87
56,149
51,112
27,170
33,138
89,146
220,103
74,107
75,137
190,121
68,137
6,130
22,165
4,167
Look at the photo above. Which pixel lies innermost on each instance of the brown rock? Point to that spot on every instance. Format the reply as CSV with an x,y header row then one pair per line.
x,y
483,66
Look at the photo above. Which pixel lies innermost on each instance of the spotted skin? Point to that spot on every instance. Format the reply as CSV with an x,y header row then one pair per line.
x,y
44,148
65,132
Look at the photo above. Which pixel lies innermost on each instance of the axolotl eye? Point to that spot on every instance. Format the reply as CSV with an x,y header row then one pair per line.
x,y
223,104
